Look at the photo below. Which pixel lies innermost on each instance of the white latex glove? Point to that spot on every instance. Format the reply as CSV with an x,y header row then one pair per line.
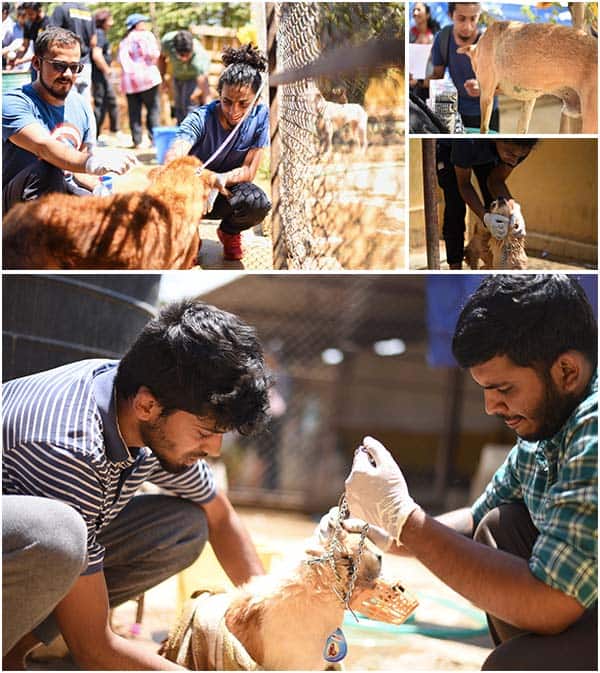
x,y
220,179
101,162
324,531
497,225
517,221
376,490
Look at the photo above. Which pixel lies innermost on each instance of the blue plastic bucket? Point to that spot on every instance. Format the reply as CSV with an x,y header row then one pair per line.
x,y
13,79
163,139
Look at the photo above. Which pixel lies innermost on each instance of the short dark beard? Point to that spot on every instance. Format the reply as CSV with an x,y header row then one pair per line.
x,y
554,410
153,437
52,92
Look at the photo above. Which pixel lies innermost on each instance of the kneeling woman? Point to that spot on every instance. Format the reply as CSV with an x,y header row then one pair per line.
x,y
205,129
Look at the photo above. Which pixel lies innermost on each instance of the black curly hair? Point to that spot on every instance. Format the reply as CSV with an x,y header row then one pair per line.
x,y
243,67
196,358
530,318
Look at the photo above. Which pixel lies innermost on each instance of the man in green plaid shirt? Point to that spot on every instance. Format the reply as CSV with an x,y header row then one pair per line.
x,y
526,551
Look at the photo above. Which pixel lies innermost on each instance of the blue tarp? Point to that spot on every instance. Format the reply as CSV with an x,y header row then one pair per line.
x,y
508,11
447,294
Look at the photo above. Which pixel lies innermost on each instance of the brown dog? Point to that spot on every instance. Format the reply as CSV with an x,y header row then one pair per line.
x,y
153,229
528,60
506,254
282,622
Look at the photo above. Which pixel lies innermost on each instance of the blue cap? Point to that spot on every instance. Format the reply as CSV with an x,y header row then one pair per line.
x,y
133,19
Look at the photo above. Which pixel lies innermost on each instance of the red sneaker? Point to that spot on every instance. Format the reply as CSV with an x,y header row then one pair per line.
x,y
232,245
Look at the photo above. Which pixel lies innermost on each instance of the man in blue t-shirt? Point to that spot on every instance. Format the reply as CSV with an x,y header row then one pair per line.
x,y
465,18
48,130
206,129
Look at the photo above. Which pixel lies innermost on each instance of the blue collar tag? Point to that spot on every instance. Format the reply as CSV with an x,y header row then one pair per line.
x,y
336,647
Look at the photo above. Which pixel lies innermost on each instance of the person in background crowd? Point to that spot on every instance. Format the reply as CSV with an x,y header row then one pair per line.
x,y
189,65
105,98
36,22
10,49
422,32
463,31
425,26
77,17
141,78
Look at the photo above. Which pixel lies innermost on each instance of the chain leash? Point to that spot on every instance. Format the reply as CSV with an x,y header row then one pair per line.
x,y
335,545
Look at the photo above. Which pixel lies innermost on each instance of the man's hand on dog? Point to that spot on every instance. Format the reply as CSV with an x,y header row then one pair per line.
x,y
497,225
472,88
101,162
376,490
517,221
326,528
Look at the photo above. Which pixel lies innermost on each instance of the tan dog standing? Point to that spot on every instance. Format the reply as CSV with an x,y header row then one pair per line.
x,y
528,60
495,254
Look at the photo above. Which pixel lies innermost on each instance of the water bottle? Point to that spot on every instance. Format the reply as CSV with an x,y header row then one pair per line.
x,y
104,187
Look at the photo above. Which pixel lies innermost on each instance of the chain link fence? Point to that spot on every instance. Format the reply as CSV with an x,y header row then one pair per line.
x,y
340,158
349,357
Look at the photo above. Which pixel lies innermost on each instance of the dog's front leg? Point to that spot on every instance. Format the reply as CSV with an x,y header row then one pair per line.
x,y
589,110
525,116
487,86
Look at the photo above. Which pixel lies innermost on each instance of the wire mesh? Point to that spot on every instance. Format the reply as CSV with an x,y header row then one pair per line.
x,y
342,150
332,386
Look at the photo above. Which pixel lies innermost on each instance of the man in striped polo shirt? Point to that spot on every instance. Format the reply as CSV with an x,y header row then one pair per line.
x,y
531,343
78,442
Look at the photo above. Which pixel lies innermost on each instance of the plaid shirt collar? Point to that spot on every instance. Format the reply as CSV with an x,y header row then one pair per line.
x,y
549,448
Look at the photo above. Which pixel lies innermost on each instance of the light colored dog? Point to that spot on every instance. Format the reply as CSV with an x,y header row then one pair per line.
x,y
275,622
506,254
528,60
353,115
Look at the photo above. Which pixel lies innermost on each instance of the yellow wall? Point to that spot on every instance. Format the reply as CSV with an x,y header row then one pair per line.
x,y
557,187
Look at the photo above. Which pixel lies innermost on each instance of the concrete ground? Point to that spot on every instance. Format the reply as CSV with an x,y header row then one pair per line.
x,y
460,641
536,260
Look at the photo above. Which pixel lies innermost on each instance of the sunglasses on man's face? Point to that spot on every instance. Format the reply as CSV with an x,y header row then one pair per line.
x,y
62,66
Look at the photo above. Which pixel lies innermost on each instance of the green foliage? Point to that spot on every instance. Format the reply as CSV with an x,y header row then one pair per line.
x,y
168,16
355,23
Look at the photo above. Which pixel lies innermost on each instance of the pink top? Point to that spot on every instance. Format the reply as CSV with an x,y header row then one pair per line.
x,y
138,54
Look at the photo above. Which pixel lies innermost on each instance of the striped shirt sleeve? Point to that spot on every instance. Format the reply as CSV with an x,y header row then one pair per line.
x,y
196,483
51,471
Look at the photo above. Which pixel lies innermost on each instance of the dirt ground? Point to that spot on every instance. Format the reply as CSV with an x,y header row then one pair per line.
x,y
445,633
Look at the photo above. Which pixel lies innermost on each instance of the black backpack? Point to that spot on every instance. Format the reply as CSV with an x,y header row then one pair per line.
x,y
421,119
444,38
